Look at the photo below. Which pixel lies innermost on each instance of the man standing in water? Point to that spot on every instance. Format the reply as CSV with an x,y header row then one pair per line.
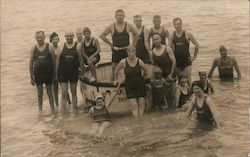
x,y
180,41
225,65
120,31
68,62
42,63
158,29
142,46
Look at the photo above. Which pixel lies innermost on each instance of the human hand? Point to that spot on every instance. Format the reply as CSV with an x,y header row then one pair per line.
x,y
33,81
115,82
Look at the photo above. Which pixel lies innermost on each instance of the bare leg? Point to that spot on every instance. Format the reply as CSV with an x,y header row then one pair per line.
x,y
40,96
50,95
64,87
68,98
74,97
134,106
141,103
95,127
114,65
103,127
188,71
55,91
92,68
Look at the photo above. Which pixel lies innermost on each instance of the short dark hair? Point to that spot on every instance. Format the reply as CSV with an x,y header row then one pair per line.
x,y
40,32
157,34
137,16
156,17
86,29
197,83
223,48
176,19
53,34
119,10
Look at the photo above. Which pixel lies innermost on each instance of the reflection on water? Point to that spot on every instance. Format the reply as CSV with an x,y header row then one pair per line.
x,y
25,132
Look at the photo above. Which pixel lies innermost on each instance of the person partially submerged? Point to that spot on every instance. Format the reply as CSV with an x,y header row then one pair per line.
x,y
204,106
100,114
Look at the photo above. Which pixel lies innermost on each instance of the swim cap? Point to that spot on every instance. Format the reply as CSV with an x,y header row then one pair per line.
x,y
99,96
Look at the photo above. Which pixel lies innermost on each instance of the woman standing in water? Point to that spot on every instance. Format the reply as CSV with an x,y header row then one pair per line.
x,y
54,40
204,106
134,81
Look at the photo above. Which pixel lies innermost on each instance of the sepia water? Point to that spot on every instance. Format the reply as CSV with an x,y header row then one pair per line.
x,y
27,133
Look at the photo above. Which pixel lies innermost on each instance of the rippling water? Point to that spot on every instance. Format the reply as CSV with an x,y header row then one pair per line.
x,y
26,133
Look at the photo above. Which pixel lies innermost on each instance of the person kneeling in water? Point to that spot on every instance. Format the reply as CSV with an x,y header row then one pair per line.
x,y
100,114
204,106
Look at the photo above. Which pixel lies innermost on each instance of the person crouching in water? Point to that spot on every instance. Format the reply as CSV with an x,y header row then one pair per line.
x,y
207,85
158,84
100,114
204,107
182,92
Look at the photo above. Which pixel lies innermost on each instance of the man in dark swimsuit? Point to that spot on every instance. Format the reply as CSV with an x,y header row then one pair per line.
x,y
42,64
120,31
159,29
180,41
68,62
225,65
142,46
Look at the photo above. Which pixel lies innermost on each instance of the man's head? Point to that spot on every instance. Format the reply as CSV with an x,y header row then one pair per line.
x,y
78,33
197,88
69,36
137,20
157,39
157,21
86,32
223,51
202,75
119,15
40,37
177,22
131,52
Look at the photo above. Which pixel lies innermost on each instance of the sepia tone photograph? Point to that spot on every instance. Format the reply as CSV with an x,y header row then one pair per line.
x,y
125,78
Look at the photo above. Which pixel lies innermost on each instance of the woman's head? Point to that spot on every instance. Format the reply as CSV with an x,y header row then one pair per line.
x,y
197,88
54,39
99,100
182,79
131,52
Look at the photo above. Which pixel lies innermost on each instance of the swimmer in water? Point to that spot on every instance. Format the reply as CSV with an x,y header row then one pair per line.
x,y
204,106
100,114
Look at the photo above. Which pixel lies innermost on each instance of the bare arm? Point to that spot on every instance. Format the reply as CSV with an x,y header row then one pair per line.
x,y
170,41
146,40
166,32
177,97
191,107
58,62
105,33
212,68
81,62
235,64
144,68
113,95
213,111
210,85
135,34
118,68
51,50
31,67
80,49
91,111
172,59
196,44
